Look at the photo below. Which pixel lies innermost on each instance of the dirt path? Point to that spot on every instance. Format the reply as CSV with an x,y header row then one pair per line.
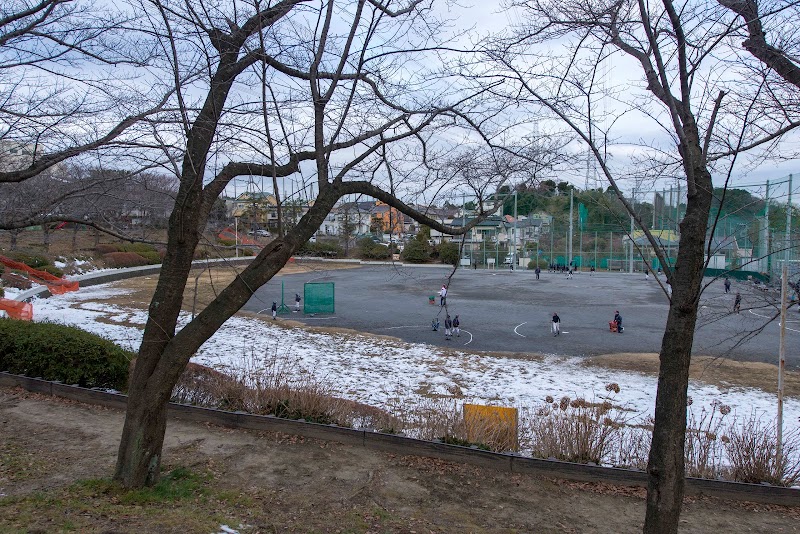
x,y
267,482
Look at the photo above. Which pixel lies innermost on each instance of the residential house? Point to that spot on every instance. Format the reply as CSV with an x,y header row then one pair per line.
x,y
352,218
388,219
258,209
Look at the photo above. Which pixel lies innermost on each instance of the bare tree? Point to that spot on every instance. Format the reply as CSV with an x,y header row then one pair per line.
x,y
706,106
124,204
325,94
48,112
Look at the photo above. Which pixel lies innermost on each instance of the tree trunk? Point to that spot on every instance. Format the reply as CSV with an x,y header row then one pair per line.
x,y
139,457
665,466
46,236
164,354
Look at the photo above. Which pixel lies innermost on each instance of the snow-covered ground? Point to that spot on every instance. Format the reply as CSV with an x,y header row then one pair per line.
x,y
382,372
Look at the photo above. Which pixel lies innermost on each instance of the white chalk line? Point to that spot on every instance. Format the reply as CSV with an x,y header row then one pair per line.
x,y
779,323
428,326
309,317
515,329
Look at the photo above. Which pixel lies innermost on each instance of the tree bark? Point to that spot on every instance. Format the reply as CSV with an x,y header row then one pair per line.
x,y
162,358
665,466
46,236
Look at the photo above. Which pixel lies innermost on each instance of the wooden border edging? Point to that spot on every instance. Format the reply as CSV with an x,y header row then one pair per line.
x,y
415,447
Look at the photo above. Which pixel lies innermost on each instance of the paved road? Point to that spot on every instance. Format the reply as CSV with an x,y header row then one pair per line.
x,y
511,311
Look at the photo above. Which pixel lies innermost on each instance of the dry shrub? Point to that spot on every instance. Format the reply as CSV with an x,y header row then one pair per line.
x,y
752,448
271,385
202,386
442,419
703,449
428,419
124,259
632,449
575,430
565,429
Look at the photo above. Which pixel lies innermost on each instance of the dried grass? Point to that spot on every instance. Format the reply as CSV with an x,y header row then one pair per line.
x,y
575,430
752,450
703,449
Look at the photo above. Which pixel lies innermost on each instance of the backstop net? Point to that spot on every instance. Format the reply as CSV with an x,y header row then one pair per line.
x,y
319,297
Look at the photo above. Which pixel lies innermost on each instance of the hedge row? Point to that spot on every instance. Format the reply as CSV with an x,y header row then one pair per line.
x,y
59,352
135,254
124,259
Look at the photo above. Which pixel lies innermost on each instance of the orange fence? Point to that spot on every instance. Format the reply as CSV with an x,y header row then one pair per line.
x,y
230,235
55,285
17,310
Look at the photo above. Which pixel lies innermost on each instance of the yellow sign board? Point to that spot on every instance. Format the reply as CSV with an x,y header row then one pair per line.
x,y
494,426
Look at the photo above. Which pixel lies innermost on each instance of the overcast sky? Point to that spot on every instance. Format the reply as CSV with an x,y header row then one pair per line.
x,y
629,132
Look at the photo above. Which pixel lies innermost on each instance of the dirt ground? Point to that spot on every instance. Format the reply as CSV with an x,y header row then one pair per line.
x,y
56,458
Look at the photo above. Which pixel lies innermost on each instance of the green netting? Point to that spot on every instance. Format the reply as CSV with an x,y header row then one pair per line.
x,y
319,297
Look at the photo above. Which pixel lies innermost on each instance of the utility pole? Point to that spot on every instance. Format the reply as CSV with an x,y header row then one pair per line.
x,y
464,221
781,364
569,237
595,250
766,231
610,249
655,194
669,227
236,236
514,254
633,205
788,240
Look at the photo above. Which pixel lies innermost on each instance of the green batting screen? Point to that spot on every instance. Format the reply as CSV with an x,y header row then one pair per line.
x,y
318,297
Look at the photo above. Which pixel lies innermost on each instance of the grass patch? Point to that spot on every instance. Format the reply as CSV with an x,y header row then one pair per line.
x,y
182,500
453,440
176,485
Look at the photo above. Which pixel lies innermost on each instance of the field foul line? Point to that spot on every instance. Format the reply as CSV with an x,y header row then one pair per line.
x,y
515,329
470,336
308,317
779,323
417,326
